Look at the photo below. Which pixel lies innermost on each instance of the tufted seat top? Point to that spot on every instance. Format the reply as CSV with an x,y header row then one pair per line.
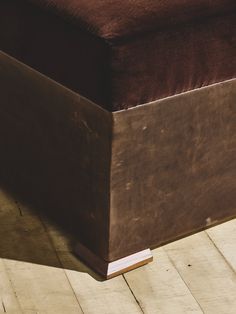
x,y
112,19
122,53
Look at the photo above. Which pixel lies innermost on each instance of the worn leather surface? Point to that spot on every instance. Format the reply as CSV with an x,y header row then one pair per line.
x,y
50,140
121,54
124,181
173,168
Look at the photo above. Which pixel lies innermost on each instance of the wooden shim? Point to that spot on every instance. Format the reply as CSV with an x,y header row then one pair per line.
x,y
110,270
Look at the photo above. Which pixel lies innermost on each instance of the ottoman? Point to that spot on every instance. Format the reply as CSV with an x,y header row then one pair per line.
x,y
118,118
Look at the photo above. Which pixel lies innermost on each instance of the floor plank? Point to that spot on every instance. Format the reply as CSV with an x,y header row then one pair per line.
x,y
224,237
208,276
8,299
42,289
100,297
31,264
160,289
40,275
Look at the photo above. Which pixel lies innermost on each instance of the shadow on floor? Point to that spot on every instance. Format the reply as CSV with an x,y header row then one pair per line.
x,y
49,154
27,234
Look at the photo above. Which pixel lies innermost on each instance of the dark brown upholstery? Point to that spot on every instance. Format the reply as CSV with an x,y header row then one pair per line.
x,y
123,53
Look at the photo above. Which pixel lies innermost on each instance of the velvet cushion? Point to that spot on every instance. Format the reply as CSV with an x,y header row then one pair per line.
x,y
118,18
123,53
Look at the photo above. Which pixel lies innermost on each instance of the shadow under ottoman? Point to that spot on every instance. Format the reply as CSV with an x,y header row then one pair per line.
x,y
128,180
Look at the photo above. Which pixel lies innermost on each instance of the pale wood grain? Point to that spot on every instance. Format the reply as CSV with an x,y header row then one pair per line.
x,y
103,297
100,297
9,214
25,243
206,273
224,237
40,274
8,299
160,289
42,289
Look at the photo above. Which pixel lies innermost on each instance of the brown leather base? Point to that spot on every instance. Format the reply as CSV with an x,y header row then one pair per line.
x,y
118,182
173,167
55,152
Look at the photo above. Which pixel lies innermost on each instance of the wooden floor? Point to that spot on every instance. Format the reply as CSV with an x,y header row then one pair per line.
x,y
39,274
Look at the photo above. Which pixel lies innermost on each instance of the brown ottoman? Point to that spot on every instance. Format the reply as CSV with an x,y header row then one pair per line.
x,y
154,158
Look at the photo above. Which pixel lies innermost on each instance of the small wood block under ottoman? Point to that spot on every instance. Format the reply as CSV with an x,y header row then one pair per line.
x,y
127,137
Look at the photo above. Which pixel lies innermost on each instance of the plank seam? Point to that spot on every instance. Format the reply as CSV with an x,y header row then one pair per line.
x,y
173,264
11,284
4,308
134,296
220,252
59,260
